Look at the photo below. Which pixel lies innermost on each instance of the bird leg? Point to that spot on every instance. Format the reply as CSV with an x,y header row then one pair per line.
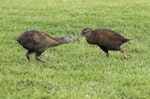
x,y
28,54
105,50
124,54
107,54
37,57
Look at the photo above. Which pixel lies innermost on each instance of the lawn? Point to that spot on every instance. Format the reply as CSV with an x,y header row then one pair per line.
x,y
76,70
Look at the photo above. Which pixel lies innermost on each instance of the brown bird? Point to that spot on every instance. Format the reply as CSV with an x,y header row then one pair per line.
x,y
38,41
106,39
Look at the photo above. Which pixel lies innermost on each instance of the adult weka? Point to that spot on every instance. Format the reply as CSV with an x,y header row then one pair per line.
x,y
106,39
38,41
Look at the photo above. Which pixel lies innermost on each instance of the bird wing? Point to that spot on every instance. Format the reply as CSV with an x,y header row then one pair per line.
x,y
108,40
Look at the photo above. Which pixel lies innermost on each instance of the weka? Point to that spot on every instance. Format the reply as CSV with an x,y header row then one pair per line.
x,y
106,39
38,41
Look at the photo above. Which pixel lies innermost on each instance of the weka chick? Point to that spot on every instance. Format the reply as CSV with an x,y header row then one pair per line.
x,y
106,39
38,41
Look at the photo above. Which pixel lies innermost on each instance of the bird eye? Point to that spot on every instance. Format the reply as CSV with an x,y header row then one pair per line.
x,y
84,33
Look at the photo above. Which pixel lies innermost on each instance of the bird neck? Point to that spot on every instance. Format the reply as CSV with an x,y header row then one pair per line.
x,y
90,39
57,41
87,36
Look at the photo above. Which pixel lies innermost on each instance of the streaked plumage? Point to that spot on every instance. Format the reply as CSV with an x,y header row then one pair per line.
x,y
106,39
38,41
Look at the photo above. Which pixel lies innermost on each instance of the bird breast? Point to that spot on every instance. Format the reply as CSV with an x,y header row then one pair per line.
x,y
90,39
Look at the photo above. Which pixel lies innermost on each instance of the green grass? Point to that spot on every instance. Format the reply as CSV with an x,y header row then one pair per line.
x,y
76,70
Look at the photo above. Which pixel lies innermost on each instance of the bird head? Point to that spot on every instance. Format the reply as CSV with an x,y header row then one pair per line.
x,y
68,39
85,32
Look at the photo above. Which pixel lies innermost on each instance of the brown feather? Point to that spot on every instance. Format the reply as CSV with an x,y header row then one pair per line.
x,y
106,39
38,41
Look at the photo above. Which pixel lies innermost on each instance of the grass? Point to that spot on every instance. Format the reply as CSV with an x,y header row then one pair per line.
x,y
76,70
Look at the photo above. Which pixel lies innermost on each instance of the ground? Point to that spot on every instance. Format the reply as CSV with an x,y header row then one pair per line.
x,y
76,70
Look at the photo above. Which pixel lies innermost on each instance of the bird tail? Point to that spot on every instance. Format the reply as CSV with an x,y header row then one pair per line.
x,y
126,40
17,40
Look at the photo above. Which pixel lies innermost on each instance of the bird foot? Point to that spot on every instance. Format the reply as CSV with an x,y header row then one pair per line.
x,y
44,61
41,60
126,57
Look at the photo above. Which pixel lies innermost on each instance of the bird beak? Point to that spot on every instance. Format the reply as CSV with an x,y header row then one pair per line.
x,y
79,37
74,39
